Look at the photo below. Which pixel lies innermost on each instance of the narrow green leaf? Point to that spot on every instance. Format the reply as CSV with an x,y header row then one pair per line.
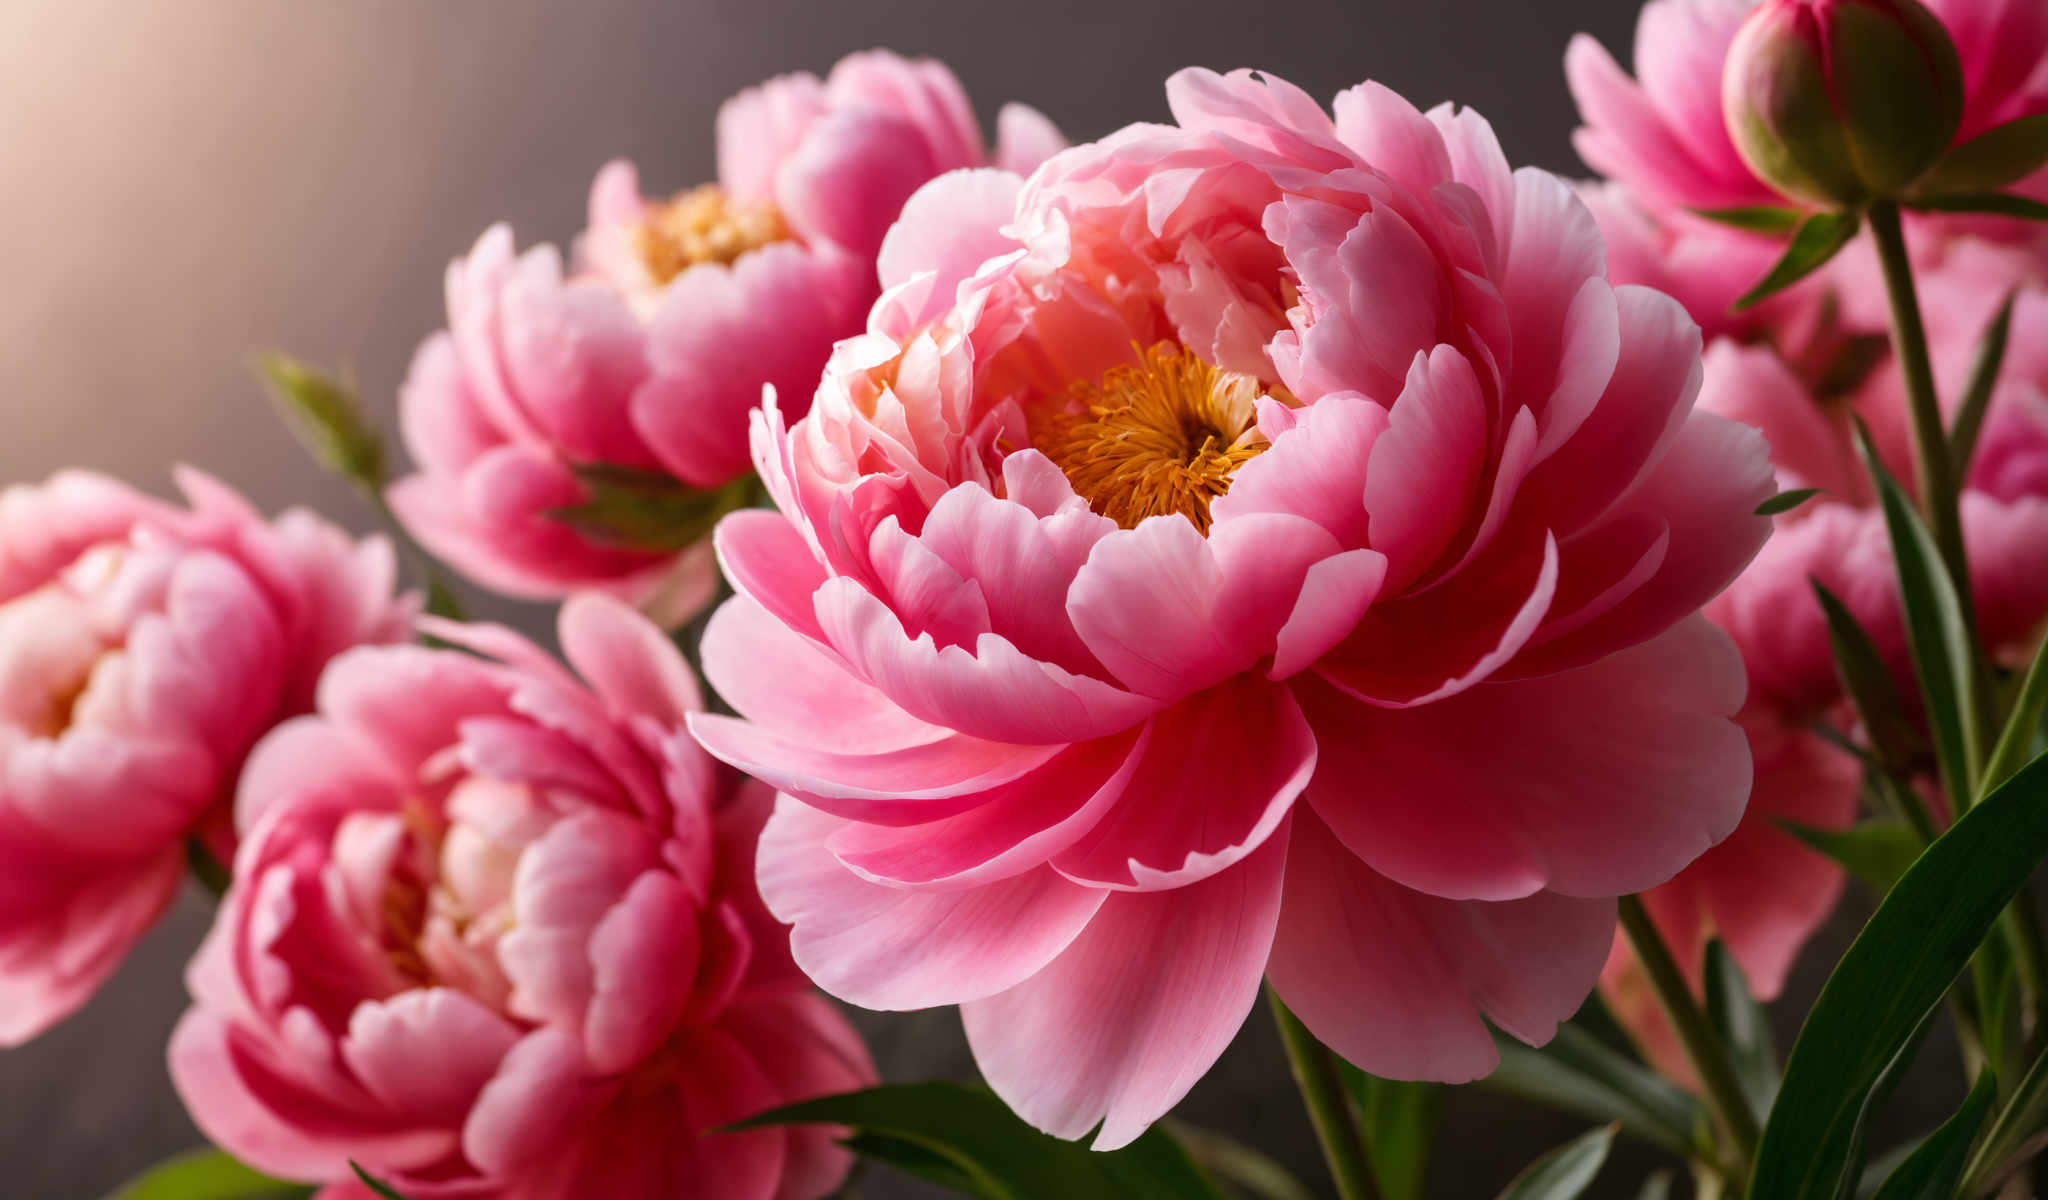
x,y
1962,438
1820,237
1566,1172
206,1175
324,412
971,1131
1786,501
1937,631
1244,1168
373,1183
1933,1171
1876,851
2016,743
1886,990
1991,160
1399,1119
1998,204
1578,1074
1868,684
1762,218
647,510
2020,1122
1744,1027
913,1158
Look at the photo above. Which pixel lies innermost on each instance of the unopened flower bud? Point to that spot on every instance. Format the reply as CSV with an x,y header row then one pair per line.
x,y
1839,102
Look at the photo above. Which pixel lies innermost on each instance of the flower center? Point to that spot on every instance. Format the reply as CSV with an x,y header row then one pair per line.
x,y
1159,436
704,225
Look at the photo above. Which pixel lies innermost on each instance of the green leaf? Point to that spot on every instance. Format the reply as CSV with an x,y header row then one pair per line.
x,y
1876,851
1820,237
1933,1171
2018,1128
1991,160
1990,359
1937,632
1868,684
1744,1027
986,1148
1398,1121
1998,204
1886,990
647,510
373,1183
1762,218
1578,1074
1564,1173
326,415
1233,1162
1656,1187
1786,501
206,1175
2016,743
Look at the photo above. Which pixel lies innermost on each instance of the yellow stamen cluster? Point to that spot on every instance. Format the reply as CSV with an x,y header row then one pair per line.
x,y
704,225
1162,435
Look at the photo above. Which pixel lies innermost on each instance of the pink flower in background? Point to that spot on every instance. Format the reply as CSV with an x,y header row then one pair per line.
x,y
650,350
1264,545
1762,891
1663,135
494,933
143,649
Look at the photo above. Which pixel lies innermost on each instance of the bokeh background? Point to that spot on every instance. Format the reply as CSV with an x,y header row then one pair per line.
x,y
185,181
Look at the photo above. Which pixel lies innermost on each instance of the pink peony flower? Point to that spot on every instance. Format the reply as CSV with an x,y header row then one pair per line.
x,y
143,649
1762,891
649,353
1237,551
494,933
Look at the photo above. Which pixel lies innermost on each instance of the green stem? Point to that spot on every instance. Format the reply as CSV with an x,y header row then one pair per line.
x,y
1933,464
1723,1092
1322,1093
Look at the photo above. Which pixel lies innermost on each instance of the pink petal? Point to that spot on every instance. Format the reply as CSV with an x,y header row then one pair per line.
x,y
1220,771
1596,782
1119,1027
894,949
1396,981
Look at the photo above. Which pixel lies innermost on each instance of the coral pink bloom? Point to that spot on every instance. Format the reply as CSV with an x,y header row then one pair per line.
x,y
494,933
1763,892
1264,544
650,352
143,649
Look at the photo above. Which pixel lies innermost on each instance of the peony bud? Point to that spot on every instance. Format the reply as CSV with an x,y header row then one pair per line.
x,y
1838,102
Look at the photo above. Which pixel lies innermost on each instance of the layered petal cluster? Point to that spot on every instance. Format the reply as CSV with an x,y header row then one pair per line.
x,y
494,933
1265,544
144,647
1763,892
641,358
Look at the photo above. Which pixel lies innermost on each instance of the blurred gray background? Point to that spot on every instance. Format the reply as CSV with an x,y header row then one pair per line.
x,y
184,181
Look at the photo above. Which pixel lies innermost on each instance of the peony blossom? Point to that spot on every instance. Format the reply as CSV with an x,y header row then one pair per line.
x,y
1763,892
1262,545
494,933
646,353
143,649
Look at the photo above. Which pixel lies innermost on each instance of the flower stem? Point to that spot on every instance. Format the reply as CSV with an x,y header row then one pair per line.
x,y
1702,1045
1322,1093
1934,466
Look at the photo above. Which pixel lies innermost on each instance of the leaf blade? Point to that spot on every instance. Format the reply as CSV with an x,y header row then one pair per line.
x,y
1888,986
1566,1172
206,1174
1933,1171
1819,238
